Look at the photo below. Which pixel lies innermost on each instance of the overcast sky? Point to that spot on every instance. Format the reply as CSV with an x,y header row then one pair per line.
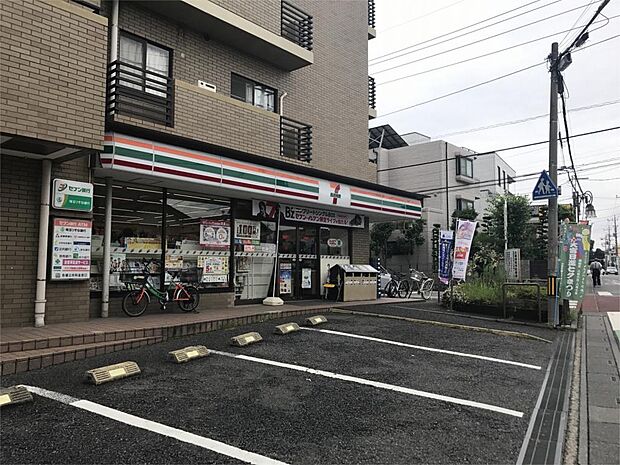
x,y
593,78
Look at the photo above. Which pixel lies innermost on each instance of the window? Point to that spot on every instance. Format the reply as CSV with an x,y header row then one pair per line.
x,y
334,241
464,204
252,92
464,167
499,176
144,66
504,173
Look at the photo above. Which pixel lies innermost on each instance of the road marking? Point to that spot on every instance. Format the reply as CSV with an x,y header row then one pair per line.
x,y
604,293
164,430
367,382
428,349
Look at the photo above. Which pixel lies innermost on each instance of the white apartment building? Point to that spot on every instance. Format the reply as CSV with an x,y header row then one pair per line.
x,y
453,178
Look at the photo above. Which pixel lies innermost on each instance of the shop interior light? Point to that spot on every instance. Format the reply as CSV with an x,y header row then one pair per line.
x,y
188,353
14,395
245,339
287,328
315,320
112,372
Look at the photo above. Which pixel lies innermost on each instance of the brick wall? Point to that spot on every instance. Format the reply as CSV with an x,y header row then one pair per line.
x,y
360,254
265,13
20,190
52,71
331,94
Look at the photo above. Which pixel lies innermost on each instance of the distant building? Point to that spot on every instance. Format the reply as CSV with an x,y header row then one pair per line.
x,y
453,178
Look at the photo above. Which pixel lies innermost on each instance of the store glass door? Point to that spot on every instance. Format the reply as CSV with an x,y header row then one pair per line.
x,y
287,262
298,264
308,263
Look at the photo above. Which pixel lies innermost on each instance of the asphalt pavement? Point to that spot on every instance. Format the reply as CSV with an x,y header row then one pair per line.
x,y
308,397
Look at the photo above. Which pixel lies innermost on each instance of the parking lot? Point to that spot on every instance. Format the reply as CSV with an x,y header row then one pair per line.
x,y
356,389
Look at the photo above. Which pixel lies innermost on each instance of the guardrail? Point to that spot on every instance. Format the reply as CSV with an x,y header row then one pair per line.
x,y
296,25
371,13
295,139
135,91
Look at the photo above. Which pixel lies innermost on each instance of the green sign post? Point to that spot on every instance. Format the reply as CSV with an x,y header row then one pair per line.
x,y
72,195
574,255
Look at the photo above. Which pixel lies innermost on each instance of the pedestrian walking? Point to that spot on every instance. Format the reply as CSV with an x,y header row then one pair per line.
x,y
595,268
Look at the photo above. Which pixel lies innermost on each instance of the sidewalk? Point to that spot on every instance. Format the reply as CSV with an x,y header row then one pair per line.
x,y
26,348
600,382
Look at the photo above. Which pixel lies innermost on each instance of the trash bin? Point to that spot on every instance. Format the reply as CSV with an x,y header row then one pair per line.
x,y
353,282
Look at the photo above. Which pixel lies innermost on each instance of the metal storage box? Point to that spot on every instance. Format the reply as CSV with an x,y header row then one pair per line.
x,y
353,282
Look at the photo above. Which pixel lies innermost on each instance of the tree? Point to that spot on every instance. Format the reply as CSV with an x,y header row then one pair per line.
x,y
411,236
467,214
379,235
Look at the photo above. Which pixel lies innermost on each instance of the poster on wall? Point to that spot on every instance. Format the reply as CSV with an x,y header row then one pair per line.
x,y
118,262
462,245
247,231
215,234
214,269
71,249
264,210
306,278
286,274
320,216
445,255
574,257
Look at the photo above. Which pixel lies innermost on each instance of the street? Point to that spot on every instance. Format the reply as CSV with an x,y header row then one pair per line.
x,y
354,390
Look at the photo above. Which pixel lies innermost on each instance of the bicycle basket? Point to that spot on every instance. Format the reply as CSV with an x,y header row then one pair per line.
x,y
417,275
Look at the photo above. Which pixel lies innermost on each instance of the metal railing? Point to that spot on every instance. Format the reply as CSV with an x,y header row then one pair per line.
x,y
295,139
372,92
135,91
296,25
371,13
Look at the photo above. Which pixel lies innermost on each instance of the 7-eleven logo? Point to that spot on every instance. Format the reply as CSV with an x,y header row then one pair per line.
x,y
335,194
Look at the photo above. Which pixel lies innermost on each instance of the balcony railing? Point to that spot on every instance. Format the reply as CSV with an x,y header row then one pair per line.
x,y
135,91
296,25
372,92
371,13
295,139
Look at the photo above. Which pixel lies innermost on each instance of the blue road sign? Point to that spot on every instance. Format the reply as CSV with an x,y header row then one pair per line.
x,y
545,189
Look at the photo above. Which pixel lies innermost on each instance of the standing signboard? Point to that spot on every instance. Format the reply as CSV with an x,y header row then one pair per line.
x,y
512,264
445,255
462,245
72,195
70,249
574,255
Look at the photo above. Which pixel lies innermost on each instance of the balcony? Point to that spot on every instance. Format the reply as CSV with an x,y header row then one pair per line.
x,y
290,50
372,32
372,98
295,139
136,92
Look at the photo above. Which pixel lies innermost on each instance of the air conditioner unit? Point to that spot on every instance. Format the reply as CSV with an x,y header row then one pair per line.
x,y
207,86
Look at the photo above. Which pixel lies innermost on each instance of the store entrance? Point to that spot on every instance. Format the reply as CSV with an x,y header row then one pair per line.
x,y
298,271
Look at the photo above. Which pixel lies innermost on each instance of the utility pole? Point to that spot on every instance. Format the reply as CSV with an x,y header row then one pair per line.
x,y
616,237
552,245
505,220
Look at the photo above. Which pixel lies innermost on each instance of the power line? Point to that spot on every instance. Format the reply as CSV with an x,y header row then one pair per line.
x,y
488,81
525,120
422,16
493,36
419,73
491,152
585,29
467,27
583,13
570,151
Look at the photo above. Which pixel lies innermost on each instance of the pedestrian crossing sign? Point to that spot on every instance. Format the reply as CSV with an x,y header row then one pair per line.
x,y
544,189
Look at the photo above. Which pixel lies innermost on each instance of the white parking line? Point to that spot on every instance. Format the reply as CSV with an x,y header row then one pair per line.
x,y
429,349
376,384
604,293
184,436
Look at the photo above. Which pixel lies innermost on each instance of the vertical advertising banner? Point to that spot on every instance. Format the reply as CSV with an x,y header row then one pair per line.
x,y
446,239
462,245
574,256
71,249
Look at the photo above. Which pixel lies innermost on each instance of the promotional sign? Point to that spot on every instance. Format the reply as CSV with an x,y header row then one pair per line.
x,y
247,230
334,193
545,189
512,264
286,273
174,262
334,242
574,257
446,239
306,278
72,195
214,269
317,215
215,234
462,245
264,210
142,243
71,249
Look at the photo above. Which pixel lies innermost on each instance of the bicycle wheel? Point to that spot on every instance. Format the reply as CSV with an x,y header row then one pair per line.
x,y
391,289
187,298
427,289
403,289
135,303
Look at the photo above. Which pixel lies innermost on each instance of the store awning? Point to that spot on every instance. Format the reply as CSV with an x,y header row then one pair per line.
x,y
129,157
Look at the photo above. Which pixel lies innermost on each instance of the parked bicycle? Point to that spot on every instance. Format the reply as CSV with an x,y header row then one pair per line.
x,y
136,302
418,282
395,286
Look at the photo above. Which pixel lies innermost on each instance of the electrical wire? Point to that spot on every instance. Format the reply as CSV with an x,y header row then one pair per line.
x,y
488,81
585,29
419,73
570,152
382,31
583,13
491,152
432,39
484,39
